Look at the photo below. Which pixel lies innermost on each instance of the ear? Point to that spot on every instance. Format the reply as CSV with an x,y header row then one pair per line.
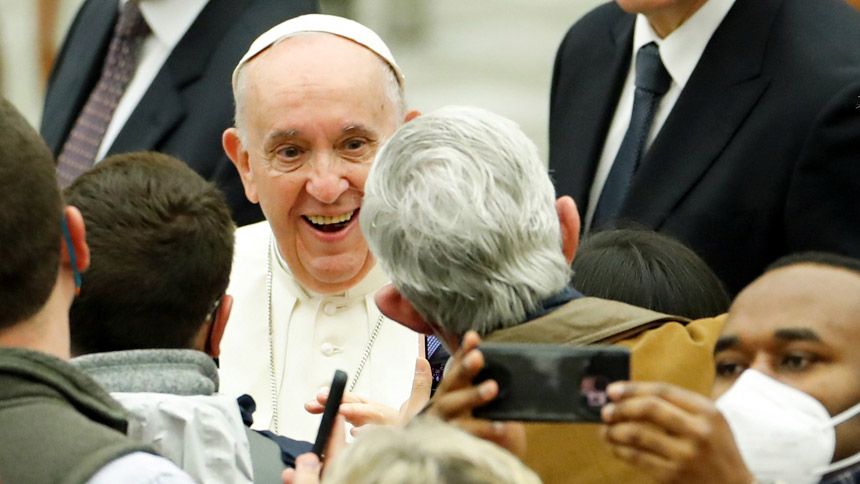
x,y
232,143
217,326
411,115
78,239
568,217
394,306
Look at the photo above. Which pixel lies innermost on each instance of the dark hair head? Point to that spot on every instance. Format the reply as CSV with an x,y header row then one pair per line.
x,y
649,270
161,246
30,219
822,258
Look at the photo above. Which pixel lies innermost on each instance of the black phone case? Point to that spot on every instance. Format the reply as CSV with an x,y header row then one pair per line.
x,y
332,405
550,383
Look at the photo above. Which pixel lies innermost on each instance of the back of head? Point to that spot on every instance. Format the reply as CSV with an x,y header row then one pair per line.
x,y
427,451
461,213
30,219
649,270
161,243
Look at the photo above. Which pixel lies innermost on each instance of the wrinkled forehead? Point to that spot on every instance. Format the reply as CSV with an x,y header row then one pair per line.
x,y
810,298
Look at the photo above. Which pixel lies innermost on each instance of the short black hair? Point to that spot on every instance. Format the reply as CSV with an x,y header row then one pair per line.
x,y
161,248
814,257
649,270
31,218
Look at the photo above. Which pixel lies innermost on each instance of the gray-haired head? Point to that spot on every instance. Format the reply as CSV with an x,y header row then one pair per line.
x,y
460,212
426,451
311,24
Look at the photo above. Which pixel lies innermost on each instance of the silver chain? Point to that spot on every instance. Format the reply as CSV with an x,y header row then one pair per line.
x,y
272,385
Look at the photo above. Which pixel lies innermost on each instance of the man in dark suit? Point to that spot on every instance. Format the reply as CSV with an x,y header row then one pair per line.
x,y
751,149
188,103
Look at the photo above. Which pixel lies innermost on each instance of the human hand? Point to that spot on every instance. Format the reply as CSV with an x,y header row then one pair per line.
x,y
675,435
307,470
359,411
308,466
456,397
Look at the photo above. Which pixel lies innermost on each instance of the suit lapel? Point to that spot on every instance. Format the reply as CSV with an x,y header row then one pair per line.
x,y
596,100
163,106
79,69
725,86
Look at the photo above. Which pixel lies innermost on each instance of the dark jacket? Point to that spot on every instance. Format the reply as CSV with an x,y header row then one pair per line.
x,y
56,424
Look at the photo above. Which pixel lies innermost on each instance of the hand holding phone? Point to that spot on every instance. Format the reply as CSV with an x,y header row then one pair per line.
x,y
550,383
338,383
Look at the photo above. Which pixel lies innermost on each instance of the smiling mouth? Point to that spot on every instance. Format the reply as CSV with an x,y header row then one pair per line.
x,y
335,223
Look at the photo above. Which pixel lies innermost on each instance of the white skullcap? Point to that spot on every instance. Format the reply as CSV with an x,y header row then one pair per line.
x,y
329,24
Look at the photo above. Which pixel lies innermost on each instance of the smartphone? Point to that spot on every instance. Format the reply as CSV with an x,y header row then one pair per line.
x,y
550,383
335,395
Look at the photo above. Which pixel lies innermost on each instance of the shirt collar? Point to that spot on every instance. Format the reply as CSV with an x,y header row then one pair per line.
x,y
553,302
169,19
681,50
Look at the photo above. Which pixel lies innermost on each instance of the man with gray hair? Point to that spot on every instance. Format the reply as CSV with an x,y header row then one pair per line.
x,y
316,96
462,215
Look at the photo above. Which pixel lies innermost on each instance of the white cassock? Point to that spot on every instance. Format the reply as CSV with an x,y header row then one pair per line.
x,y
313,336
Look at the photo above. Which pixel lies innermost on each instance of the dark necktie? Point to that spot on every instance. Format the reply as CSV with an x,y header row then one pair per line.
x,y
82,145
652,82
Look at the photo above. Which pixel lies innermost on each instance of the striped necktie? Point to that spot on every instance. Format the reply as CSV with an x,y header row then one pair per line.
x,y
82,145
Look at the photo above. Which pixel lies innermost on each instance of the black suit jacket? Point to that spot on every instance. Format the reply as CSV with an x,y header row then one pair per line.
x,y
189,103
760,155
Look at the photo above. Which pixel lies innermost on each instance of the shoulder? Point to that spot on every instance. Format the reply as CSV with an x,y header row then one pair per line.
x,y
252,241
140,468
596,24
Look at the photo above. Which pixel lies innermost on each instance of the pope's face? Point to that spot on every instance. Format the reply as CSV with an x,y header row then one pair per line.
x,y
315,112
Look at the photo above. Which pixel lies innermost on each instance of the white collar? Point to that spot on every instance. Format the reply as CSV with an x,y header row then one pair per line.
x,y
373,280
681,50
169,19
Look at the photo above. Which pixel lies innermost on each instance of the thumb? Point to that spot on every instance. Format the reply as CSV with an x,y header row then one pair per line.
x,y
421,385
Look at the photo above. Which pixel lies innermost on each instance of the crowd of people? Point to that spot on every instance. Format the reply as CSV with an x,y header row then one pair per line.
x,y
183,270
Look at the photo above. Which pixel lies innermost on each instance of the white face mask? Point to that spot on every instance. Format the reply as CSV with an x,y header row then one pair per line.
x,y
783,434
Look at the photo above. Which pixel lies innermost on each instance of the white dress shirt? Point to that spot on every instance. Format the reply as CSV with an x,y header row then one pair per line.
x,y
680,51
168,20
313,336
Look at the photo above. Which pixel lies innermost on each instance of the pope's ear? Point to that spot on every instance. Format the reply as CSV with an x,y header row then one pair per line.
x,y
231,141
395,307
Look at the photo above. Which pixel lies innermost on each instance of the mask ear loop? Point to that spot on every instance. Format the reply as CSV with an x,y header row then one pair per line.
x,y
72,260
848,461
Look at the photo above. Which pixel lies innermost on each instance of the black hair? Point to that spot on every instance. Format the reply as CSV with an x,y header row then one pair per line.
x,y
650,270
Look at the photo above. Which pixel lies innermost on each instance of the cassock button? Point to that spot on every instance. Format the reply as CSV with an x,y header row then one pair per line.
x,y
327,349
330,309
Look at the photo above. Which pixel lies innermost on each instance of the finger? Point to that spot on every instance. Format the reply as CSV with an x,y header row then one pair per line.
x,y
338,438
654,465
649,439
508,435
307,470
462,372
314,407
652,409
422,382
359,414
685,399
317,405
460,403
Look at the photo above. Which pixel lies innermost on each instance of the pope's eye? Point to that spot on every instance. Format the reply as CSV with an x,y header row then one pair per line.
x,y
289,152
355,144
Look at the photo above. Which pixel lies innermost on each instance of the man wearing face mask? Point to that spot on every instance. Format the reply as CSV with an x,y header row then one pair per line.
x,y
787,389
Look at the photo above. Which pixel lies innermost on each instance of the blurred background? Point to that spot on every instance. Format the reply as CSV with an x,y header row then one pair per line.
x,y
496,54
